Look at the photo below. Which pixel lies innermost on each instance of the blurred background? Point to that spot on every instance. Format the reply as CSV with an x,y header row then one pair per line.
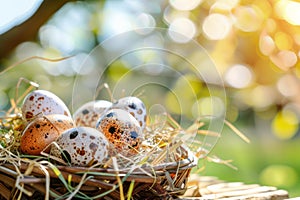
x,y
251,45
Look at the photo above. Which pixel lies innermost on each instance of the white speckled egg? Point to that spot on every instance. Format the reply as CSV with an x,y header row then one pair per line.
x,y
122,130
42,131
81,146
43,102
135,107
89,113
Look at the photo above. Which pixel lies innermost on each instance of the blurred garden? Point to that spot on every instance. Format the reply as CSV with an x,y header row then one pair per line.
x,y
234,59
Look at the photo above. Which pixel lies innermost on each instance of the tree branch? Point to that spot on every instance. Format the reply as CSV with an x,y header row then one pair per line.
x,y
28,30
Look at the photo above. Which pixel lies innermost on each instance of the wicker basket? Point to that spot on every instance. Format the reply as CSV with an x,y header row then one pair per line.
x,y
162,181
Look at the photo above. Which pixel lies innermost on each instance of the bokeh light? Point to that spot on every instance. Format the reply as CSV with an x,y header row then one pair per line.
x,y
224,5
279,176
285,124
288,85
266,45
262,97
185,5
248,18
208,106
182,30
284,59
216,26
239,76
289,10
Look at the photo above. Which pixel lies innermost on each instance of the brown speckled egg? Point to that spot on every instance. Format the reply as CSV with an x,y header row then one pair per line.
x,y
81,146
135,107
39,133
89,113
122,130
43,102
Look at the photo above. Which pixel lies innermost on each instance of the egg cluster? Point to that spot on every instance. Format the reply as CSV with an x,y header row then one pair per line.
x,y
97,130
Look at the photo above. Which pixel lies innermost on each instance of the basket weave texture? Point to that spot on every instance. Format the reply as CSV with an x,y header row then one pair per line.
x,y
162,181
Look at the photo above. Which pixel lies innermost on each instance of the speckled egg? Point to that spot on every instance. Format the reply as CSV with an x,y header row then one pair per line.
x,y
81,146
122,130
135,107
43,102
39,133
89,113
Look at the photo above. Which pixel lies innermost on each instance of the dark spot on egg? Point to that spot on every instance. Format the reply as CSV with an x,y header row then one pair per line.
x,y
112,129
132,113
85,111
37,126
93,146
28,115
66,113
133,134
132,106
140,111
59,120
84,135
31,98
92,137
73,135
41,98
111,114
80,151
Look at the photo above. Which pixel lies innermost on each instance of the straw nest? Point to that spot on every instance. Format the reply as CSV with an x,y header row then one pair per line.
x,y
159,171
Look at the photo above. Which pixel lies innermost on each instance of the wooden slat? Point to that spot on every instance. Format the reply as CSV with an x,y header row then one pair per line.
x,y
211,188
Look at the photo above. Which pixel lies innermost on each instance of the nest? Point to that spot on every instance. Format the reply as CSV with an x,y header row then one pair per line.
x,y
163,181
159,171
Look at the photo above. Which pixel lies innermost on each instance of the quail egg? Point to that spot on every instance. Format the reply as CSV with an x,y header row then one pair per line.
x,y
88,114
39,133
135,107
81,146
43,102
122,130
